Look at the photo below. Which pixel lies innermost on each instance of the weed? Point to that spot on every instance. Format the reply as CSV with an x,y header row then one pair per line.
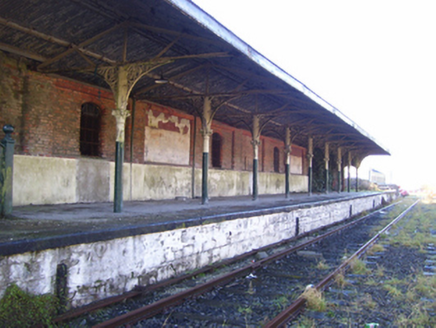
x,y
247,313
340,280
371,282
376,248
358,267
368,302
321,265
314,299
21,309
419,317
281,302
306,323
380,271
393,291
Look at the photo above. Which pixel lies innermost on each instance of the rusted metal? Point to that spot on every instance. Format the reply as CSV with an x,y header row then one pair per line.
x,y
38,31
298,305
153,309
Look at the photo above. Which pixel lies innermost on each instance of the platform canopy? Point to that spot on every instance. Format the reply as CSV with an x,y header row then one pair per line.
x,y
184,45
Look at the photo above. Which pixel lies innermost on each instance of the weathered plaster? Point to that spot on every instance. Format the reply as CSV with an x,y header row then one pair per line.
x,y
102,269
92,180
44,180
52,180
296,164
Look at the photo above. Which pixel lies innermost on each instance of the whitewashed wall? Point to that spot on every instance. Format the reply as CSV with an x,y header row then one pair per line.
x,y
102,269
52,180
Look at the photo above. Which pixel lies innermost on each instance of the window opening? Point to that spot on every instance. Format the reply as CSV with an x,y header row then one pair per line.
x,y
216,150
276,160
90,130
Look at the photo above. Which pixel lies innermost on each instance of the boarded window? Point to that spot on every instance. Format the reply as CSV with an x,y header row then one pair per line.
x,y
276,160
90,130
216,150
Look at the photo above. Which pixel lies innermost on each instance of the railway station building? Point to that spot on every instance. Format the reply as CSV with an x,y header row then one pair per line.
x,y
139,100
106,102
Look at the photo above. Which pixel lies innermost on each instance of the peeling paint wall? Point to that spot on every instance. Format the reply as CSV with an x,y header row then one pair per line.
x,y
102,269
44,180
53,180
167,139
49,168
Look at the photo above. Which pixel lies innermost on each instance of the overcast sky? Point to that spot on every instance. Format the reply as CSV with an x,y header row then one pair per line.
x,y
373,60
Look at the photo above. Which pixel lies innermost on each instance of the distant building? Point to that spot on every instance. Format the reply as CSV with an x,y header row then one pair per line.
x,y
377,177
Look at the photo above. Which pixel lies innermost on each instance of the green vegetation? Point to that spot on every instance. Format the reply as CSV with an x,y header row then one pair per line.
x,y
358,267
20,309
321,265
407,296
314,299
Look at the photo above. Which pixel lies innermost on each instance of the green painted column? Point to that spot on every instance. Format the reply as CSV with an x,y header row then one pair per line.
x,y
122,79
287,178
310,158
357,179
339,162
255,178
118,188
288,149
207,132
121,91
349,172
255,142
204,178
326,160
6,171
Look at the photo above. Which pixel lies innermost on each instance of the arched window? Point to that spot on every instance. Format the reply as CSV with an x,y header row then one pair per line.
x,y
216,150
276,160
90,130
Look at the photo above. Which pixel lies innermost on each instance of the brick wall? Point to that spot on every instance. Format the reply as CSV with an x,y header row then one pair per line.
x,y
45,111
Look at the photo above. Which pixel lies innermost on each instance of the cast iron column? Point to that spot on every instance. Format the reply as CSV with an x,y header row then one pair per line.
x,y
339,162
357,179
6,171
288,149
121,94
310,158
121,80
326,160
349,172
255,142
207,132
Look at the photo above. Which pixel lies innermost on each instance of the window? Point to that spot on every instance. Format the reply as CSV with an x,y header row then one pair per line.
x,y
276,160
216,150
90,130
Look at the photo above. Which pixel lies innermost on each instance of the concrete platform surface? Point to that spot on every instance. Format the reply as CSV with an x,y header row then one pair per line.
x,y
30,223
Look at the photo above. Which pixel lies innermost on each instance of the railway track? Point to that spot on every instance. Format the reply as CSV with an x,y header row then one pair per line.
x,y
266,292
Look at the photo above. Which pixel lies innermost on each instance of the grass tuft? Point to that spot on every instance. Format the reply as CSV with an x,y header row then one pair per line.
x,y
20,309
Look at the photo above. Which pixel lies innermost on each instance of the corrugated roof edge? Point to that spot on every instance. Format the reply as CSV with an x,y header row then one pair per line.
x,y
203,18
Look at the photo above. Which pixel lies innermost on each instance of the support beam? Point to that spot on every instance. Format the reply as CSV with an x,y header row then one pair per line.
x,y
357,179
339,162
349,172
310,158
121,80
326,160
358,161
288,150
255,142
7,145
206,132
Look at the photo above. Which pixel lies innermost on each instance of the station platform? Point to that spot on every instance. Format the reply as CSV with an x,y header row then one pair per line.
x,y
38,227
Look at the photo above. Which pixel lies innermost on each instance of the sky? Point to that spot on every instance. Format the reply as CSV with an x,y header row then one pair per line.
x,y
374,60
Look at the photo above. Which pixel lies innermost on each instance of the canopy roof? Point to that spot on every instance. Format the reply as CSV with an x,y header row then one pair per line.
x,y
196,54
